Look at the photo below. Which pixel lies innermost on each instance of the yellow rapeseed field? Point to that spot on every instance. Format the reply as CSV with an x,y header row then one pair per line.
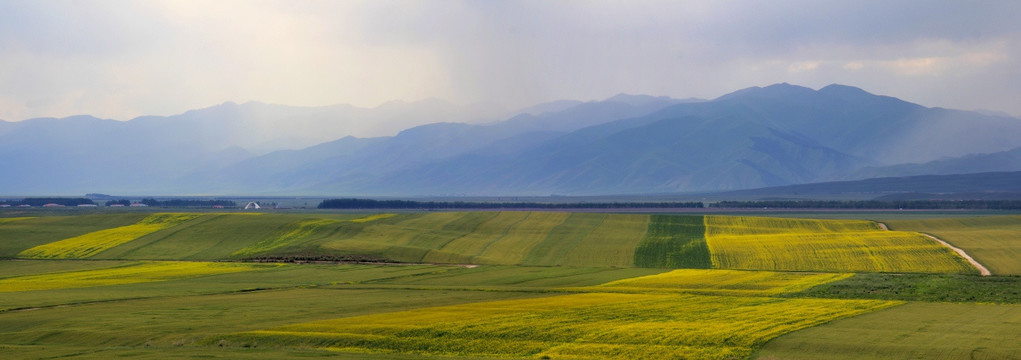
x,y
90,244
720,282
593,325
759,243
126,274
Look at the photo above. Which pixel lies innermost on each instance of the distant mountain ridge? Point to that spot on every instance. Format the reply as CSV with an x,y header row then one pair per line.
x,y
975,186
776,135
1009,160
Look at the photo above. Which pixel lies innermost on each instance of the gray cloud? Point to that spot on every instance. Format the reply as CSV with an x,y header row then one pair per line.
x,y
124,58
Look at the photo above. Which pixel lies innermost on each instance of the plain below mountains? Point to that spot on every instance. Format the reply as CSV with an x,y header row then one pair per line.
x,y
628,144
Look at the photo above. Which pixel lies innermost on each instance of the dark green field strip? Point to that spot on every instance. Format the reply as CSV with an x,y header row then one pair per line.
x,y
674,242
911,331
17,236
922,287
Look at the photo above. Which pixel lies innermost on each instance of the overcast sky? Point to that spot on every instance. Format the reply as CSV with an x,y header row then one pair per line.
x,y
121,59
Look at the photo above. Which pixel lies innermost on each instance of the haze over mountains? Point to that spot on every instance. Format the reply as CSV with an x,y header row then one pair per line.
x,y
628,144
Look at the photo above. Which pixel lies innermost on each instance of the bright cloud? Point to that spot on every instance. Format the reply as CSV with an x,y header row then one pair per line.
x,y
803,66
120,58
854,65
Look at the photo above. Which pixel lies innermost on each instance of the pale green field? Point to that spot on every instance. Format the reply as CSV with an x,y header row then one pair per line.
x,y
913,331
994,242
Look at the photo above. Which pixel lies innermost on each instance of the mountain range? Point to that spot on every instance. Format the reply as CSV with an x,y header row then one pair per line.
x,y
777,135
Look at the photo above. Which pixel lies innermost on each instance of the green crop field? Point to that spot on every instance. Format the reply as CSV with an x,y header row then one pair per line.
x,y
674,242
913,331
993,241
90,244
501,285
632,326
21,235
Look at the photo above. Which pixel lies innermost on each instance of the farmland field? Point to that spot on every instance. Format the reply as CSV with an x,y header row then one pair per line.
x,y
27,233
913,331
542,284
723,282
756,243
633,326
993,241
93,243
121,274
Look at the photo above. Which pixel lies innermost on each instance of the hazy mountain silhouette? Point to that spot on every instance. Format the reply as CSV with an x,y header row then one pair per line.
x,y
762,136
756,137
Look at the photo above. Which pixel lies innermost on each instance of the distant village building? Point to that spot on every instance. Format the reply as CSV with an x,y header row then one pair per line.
x,y
116,205
139,205
53,205
217,206
252,206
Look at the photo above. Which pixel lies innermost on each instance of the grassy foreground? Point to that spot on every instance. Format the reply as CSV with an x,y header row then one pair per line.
x,y
594,325
912,331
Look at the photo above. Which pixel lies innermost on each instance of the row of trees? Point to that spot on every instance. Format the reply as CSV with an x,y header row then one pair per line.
x,y
407,204
177,203
181,203
44,201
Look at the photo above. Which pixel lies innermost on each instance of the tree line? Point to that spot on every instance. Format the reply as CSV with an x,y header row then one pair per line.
x,y
177,203
46,200
425,205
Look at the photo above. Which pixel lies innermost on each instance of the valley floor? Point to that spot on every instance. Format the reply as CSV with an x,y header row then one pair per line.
x,y
754,296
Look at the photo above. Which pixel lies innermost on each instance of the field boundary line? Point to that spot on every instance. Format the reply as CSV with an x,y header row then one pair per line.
x,y
981,269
